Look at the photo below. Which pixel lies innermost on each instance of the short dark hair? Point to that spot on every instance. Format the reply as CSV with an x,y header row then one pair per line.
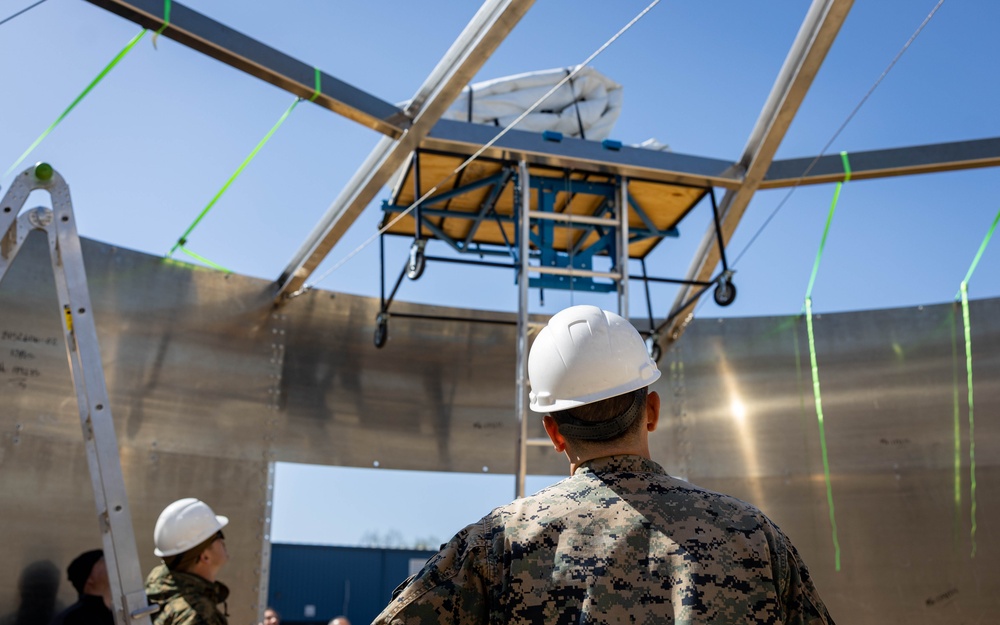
x,y
605,410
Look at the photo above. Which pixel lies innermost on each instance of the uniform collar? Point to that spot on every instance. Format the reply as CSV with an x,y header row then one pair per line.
x,y
619,464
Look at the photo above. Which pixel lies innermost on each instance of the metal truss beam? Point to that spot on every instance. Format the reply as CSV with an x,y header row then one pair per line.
x,y
251,56
920,159
490,26
815,37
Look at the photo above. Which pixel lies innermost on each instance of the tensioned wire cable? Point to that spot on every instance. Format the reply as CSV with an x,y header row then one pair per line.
x,y
963,293
475,155
871,90
836,134
817,395
128,47
21,12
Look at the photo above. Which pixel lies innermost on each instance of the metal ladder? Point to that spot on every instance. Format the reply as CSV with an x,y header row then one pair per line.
x,y
618,273
130,605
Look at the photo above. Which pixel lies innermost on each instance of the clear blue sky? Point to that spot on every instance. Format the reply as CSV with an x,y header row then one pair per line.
x,y
149,147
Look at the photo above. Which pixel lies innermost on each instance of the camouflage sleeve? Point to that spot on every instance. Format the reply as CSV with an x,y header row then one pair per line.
x,y
452,586
179,612
801,600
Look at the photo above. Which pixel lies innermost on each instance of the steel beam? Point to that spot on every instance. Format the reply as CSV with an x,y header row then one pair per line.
x,y
587,156
920,159
233,48
491,24
815,37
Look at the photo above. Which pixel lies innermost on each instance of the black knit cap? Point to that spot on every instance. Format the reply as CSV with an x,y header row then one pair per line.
x,y
80,568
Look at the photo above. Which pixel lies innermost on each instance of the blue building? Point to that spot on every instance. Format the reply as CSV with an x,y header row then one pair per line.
x,y
314,583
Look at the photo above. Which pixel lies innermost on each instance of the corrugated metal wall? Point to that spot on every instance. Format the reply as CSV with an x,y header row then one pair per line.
x,y
313,584
209,383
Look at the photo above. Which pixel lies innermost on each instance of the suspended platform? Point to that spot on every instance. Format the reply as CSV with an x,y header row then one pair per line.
x,y
573,216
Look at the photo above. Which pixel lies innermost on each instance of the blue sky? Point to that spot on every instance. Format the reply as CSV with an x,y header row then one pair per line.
x,y
150,146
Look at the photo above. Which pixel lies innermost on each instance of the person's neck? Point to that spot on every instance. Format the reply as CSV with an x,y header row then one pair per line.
x,y
203,571
578,457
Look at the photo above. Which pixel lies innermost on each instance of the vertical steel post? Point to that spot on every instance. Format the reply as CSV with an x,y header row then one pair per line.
x,y
623,246
265,547
83,353
524,247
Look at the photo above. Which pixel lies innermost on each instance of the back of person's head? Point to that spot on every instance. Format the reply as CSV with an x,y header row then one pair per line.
x,y
339,620
590,370
184,530
80,568
271,616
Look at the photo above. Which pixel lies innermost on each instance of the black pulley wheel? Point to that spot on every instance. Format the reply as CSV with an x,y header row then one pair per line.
x,y
725,293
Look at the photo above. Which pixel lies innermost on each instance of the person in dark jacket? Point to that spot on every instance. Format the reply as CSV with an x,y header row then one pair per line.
x,y
189,539
89,575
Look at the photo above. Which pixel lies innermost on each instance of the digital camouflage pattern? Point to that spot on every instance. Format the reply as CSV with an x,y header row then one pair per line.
x,y
185,598
620,541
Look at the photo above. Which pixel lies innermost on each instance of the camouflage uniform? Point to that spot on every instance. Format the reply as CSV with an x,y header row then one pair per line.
x,y
185,598
618,542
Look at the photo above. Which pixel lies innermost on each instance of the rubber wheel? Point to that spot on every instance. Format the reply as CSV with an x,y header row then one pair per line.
x,y
415,268
655,352
725,293
381,333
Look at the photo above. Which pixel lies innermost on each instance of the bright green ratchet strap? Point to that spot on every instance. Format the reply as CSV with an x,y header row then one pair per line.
x,y
815,366
80,97
963,293
166,21
183,238
964,290
318,82
202,259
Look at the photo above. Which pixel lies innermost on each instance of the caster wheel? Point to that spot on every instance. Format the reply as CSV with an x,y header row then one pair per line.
x,y
653,347
381,332
725,293
417,262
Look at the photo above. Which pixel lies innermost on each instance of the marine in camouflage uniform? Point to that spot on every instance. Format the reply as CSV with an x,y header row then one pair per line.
x,y
188,536
619,541
185,598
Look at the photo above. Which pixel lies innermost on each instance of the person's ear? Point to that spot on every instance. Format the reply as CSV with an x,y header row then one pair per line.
x,y
552,429
652,410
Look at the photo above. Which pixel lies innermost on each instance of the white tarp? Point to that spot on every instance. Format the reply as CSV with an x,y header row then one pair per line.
x,y
586,106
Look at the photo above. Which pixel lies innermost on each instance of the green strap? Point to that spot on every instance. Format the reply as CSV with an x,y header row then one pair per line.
x,y
822,431
202,259
829,219
979,254
318,81
972,424
815,364
956,425
80,97
963,293
183,238
166,21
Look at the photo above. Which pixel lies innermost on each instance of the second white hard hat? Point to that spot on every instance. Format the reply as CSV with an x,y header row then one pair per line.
x,y
183,525
584,355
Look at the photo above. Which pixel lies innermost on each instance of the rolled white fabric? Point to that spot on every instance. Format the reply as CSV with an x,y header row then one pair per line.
x,y
589,101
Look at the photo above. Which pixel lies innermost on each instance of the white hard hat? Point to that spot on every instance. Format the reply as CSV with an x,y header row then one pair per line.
x,y
183,525
584,355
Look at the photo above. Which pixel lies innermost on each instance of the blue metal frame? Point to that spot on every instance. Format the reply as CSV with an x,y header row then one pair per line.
x,y
579,255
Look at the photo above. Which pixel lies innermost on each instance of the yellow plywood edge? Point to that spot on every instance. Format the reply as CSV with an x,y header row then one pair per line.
x,y
665,205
